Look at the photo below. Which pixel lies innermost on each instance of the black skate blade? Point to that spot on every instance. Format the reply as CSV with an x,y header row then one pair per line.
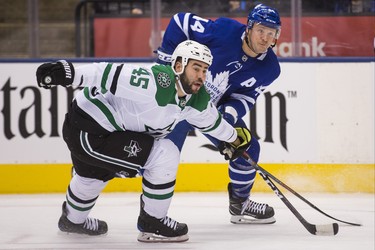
x,y
156,238
79,235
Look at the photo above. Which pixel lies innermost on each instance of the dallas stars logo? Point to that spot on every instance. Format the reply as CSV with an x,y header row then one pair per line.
x,y
132,149
163,79
158,132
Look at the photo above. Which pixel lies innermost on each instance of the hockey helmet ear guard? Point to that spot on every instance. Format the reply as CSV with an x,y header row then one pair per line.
x,y
191,50
267,16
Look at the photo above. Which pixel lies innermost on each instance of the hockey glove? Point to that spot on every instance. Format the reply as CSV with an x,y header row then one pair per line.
x,y
57,73
163,56
232,152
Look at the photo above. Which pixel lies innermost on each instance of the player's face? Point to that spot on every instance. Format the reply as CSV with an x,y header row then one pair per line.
x,y
194,76
261,38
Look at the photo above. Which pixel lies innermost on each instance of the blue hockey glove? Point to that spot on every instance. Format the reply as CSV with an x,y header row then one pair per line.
x,y
232,152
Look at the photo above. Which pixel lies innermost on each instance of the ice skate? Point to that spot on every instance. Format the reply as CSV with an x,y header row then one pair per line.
x,y
91,226
160,230
246,211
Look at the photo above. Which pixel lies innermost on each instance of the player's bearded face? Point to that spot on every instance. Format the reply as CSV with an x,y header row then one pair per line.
x,y
188,85
193,77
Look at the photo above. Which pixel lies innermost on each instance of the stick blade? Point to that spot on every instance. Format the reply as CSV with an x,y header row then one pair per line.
x,y
327,230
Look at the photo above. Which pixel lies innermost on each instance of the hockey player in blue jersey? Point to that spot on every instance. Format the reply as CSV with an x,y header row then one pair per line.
x,y
244,66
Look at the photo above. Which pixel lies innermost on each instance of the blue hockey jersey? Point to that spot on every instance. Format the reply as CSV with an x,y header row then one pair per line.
x,y
234,79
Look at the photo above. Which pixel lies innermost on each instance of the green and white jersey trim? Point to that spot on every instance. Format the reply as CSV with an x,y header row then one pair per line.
x,y
144,99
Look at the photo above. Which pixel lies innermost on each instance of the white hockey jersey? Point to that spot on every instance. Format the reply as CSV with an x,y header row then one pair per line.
x,y
144,99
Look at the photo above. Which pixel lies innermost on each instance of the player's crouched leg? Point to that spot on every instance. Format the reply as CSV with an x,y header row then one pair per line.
x,y
81,196
159,178
91,226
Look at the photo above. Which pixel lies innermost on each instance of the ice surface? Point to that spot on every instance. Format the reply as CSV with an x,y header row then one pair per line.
x,y
30,222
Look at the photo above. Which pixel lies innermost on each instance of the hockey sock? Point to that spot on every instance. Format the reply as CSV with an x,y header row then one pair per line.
x,y
81,197
242,179
157,198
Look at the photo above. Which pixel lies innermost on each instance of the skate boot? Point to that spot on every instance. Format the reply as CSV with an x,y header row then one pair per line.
x,y
91,226
160,230
246,211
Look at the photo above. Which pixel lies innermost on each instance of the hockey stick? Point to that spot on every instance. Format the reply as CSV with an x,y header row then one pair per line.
x,y
325,230
268,174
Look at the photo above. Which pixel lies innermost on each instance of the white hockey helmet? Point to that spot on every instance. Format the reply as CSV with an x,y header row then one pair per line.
x,y
191,50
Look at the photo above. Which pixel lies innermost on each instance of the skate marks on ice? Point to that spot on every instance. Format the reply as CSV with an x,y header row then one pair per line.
x,y
30,222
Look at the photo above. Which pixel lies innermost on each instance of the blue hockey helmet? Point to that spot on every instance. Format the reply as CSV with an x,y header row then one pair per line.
x,y
266,16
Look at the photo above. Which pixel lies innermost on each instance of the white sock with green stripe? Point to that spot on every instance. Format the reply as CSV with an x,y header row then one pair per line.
x,y
157,208
81,197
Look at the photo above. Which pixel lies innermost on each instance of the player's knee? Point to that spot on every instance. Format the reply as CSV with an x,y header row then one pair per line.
x,y
163,163
170,153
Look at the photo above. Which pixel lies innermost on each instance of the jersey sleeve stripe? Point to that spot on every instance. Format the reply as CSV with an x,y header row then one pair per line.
x,y
177,21
186,25
217,123
103,108
244,101
115,79
105,77
243,97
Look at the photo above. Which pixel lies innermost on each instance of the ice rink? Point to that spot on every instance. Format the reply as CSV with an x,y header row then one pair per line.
x,y
30,222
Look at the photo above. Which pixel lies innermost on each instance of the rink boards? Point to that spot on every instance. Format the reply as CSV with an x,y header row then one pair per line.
x,y
315,125
332,178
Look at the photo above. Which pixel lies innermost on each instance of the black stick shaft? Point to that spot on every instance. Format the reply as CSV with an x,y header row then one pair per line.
x,y
261,171
311,228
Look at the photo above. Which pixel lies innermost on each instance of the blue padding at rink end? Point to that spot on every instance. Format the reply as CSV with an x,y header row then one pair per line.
x,y
152,59
330,59
80,60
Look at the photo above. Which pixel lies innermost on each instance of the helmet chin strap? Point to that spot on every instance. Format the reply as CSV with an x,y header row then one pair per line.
x,y
178,79
180,85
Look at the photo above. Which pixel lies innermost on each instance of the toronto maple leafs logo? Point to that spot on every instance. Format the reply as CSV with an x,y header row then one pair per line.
x,y
132,149
216,86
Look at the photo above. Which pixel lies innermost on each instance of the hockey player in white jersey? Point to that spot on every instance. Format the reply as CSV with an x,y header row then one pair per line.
x,y
116,126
